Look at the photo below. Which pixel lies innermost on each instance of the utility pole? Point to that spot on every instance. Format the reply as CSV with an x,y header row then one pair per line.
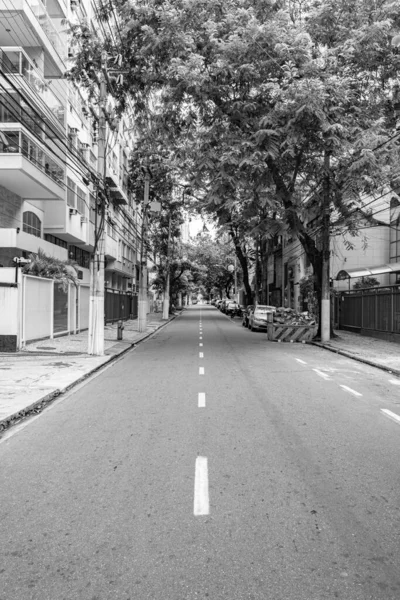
x,y
96,306
168,275
142,304
325,280
256,288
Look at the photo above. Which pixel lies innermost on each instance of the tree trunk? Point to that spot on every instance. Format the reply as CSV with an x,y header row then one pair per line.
x,y
243,263
264,247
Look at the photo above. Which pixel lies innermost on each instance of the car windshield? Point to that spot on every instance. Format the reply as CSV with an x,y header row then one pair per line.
x,y
263,310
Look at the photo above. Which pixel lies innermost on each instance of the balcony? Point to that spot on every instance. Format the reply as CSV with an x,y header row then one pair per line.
x,y
110,248
33,27
118,196
12,238
19,68
26,168
67,224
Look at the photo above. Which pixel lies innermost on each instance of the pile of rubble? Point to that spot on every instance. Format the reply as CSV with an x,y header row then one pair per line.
x,y
288,316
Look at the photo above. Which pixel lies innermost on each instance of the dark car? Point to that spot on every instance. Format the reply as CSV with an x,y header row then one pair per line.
x,y
246,314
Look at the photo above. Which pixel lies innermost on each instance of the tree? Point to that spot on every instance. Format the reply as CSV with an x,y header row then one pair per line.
x,y
289,102
50,267
214,257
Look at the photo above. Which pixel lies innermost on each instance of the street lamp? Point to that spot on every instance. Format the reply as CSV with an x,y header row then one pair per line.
x,y
233,269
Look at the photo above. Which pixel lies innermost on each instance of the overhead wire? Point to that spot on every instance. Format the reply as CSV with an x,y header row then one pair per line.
x,y
78,169
62,145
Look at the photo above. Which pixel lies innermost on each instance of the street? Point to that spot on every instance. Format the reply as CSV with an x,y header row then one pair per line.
x,y
208,463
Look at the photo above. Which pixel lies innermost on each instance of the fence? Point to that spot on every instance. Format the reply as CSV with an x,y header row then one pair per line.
x,y
374,311
120,305
38,308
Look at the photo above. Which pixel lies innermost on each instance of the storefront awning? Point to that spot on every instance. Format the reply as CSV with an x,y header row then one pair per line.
x,y
368,271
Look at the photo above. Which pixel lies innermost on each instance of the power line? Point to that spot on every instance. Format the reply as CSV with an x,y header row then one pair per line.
x,y
63,144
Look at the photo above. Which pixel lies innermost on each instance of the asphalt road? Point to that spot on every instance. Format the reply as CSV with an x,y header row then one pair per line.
x,y
208,463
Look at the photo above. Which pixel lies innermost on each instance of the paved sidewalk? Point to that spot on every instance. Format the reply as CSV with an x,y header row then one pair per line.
x,y
369,350
32,378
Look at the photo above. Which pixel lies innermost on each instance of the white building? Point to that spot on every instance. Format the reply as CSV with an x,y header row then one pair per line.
x,y
48,165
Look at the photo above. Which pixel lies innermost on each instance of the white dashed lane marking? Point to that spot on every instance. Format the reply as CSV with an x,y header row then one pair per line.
x,y
391,415
200,344
201,354
351,391
394,381
202,400
321,374
201,498
303,362
201,370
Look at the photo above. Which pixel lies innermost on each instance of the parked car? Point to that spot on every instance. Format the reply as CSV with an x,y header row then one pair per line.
x,y
213,302
240,310
222,306
218,303
246,315
258,317
231,308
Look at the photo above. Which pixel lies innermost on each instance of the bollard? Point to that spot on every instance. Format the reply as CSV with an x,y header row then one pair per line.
x,y
119,330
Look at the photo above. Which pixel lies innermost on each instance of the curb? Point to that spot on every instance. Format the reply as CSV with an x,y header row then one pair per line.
x,y
355,357
37,407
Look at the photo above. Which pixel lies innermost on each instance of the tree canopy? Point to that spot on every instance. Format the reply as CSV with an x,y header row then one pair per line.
x,y
270,110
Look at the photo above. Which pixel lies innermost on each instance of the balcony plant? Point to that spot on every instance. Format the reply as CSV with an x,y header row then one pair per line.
x,y
50,267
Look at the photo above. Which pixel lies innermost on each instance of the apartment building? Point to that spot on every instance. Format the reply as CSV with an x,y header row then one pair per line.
x,y
49,164
377,243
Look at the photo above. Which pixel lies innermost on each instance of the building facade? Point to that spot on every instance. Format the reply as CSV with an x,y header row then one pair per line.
x,y
49,162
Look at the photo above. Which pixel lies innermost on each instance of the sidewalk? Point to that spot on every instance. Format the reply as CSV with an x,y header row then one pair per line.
x,y
369,350
32,378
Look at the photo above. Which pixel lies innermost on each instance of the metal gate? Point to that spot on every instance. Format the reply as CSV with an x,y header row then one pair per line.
x,y
371,309
120,305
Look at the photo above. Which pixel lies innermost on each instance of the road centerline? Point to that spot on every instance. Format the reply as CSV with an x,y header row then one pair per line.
x,y
321,374
391,415
201,497
303,362
351,391
202,400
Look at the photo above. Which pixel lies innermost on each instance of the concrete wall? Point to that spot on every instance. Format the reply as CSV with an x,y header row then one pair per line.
x,y
84,307
10,209
9,311
37,308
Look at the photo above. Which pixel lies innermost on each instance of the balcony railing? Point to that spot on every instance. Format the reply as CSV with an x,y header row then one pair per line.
x,y
14,61
16,141
40,12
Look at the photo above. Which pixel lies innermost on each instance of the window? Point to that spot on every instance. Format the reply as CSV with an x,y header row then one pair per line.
x,y
92,211
81,201
55,240
31,224
81,257
71,200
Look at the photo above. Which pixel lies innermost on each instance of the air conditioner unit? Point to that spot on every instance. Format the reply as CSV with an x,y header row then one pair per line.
x,y
74,130
84,219
73,211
